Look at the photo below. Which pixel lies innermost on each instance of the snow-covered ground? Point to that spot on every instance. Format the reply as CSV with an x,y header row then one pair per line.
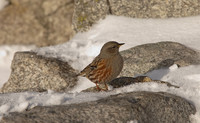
x,y
80,51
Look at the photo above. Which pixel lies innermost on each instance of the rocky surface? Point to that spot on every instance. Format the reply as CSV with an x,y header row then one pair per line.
x,y
39,22
31,72
87,12
155,8
145,58
124,81
145,107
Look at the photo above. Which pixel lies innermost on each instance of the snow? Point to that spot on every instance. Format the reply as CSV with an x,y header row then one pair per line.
x,y
81,50
3,3
27,100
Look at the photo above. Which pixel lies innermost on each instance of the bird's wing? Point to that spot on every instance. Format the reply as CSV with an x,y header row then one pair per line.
x,y
91,67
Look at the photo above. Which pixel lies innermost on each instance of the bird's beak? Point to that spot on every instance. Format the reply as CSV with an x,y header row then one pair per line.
x,y
120,44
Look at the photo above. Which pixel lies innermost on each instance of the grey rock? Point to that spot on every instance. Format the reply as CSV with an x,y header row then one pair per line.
x,y
31,72
145,58
39,22
145,107
87,12
155,8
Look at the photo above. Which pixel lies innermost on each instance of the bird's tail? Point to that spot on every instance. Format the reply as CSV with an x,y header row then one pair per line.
x,y
82,73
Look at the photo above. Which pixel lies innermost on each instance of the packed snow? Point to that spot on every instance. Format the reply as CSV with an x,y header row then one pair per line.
x,y
80,51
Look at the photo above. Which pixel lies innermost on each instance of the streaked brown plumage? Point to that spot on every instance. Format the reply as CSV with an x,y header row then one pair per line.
x,y
106,66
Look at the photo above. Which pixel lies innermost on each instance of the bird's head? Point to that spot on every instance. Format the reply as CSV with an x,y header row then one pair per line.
x,y
110,48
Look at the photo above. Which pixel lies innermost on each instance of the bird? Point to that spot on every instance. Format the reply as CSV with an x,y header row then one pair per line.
x,y
106,66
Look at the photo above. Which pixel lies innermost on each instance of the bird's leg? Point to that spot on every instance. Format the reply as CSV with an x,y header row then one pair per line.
x,y
106,86
98,87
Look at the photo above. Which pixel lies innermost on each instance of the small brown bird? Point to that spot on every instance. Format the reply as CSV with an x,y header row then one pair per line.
x,y
106,66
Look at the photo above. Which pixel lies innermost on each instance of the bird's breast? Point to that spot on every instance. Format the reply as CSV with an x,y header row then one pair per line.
x,y
117,65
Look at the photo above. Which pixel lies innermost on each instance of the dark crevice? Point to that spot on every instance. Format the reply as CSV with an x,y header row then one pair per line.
x,y
109,7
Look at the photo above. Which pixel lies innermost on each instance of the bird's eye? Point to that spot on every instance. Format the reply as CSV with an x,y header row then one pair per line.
x,y
114,47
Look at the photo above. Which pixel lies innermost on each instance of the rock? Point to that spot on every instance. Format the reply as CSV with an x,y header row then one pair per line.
x,y
145,58
88,12
31,72
145,107
39,22
155,8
